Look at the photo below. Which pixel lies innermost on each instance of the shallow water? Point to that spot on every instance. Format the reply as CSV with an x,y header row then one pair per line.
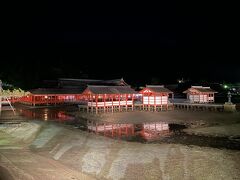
x,y
46,114
154,132
160,132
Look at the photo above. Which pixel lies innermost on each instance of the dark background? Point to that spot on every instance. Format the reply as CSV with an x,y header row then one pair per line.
x,y
141,42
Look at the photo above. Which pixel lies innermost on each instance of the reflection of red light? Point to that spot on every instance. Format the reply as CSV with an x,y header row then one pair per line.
x,y
62,116
50,115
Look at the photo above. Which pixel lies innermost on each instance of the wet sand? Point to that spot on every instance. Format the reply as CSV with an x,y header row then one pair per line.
x,y
4,174
59,150
203,122
48,150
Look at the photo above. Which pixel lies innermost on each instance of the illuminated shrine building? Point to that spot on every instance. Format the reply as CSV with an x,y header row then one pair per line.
x,y
67,91
155,97
109,98
200,94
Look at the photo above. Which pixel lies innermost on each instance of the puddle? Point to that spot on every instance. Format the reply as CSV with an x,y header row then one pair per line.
x,y
46,114
159,132
145,132
154,132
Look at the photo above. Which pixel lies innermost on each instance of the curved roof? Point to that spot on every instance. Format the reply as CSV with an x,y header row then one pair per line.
x,y
157,89
42,91
200,89
111,89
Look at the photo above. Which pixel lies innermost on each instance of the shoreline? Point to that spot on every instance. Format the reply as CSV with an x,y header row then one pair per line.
x,y
66,149
202,123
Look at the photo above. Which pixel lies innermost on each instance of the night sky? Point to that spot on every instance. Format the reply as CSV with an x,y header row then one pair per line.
x,y
139,42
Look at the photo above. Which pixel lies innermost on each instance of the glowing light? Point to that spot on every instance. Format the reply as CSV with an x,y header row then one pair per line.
x,y
225,86
45,97
180,81
146,91
45,117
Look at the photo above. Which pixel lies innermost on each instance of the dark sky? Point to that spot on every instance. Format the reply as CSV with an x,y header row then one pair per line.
x,y
139,42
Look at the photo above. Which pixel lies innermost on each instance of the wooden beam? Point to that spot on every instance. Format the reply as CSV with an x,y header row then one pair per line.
x,y
33,100
96,96
132,102
155,103
119,103
167,101
112,103
161,102
126,102
92,103
148,103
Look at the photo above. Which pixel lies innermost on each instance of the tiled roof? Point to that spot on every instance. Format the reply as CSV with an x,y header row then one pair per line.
x,y
201,89
111,89
158,89
56,91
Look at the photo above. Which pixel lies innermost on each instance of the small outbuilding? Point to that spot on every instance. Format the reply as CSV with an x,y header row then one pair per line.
x,y
200,94
155,96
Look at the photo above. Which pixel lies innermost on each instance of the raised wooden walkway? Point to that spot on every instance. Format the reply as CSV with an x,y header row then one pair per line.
x,y
172,106
199,107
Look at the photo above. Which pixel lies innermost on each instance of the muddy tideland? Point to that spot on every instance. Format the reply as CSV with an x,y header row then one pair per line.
x,y
132,145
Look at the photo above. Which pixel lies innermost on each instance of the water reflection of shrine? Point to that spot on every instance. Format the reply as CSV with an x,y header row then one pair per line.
x,y
45,114
146,131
